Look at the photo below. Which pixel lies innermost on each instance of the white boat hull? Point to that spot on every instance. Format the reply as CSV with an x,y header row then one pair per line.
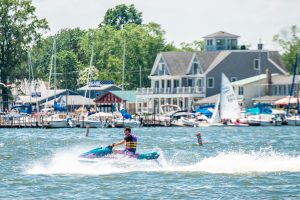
x,y
61,124
264,120
293,121
91,124
126,123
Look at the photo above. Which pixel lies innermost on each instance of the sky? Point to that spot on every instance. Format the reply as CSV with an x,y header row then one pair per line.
x,y
185,20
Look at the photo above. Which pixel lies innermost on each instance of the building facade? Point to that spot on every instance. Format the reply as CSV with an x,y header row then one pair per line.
x,y
264,88
180,78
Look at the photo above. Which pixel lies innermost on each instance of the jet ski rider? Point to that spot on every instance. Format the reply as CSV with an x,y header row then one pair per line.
x,y
130,141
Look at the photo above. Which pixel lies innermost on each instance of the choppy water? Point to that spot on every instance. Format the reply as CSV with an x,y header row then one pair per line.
x,y
233,163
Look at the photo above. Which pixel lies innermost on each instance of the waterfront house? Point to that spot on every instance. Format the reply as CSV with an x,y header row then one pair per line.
x,y
181,78
39,99
112,101
97,88
265,88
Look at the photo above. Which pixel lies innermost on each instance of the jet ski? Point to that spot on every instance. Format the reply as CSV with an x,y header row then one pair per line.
x,y
107,152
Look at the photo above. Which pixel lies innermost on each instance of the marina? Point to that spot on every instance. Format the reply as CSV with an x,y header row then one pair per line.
x,y
97,101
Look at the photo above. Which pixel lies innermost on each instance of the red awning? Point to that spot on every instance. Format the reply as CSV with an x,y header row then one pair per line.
x,y
285,101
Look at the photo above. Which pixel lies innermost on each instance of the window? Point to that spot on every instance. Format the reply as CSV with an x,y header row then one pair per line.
x,y
275,89
256,64
241,91
161,69
176,83
279,90
233,79
156,84
285,90
162,83
220,42
190,82
209,42
169,83
199,82
210,82
231,44
196,69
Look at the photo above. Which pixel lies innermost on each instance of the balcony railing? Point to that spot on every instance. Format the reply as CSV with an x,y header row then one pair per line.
x,y
178,90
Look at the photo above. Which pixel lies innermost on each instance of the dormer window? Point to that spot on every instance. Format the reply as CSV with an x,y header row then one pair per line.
x,y
161,69
196,68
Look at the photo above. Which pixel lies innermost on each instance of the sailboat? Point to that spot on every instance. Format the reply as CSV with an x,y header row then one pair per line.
x,y
230,112
216,119
126,120
93,120
58,120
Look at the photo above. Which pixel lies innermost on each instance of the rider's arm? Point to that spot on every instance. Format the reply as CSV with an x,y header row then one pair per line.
x,y
118,143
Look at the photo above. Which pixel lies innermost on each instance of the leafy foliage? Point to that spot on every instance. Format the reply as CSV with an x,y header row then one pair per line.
x,y
121,15
19,29
142,43
197,45
290,43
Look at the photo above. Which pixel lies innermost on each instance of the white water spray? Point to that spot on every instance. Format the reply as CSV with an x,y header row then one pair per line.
x,y
67,163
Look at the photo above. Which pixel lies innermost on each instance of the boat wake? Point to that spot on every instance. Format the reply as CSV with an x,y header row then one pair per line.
x,y
67,163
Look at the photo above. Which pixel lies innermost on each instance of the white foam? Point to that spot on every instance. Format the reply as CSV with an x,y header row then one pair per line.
x,y
236,163
225,162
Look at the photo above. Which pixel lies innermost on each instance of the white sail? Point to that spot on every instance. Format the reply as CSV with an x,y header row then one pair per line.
x,y
216,117
230,108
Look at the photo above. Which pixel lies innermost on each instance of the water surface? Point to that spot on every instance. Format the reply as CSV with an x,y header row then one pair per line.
x,y
233,163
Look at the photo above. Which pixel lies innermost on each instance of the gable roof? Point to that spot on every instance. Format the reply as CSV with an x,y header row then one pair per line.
x,y
72,100
128,95
221,34
276,57
48,94
217,60
251,79
245,58
177,62
284,79
206,58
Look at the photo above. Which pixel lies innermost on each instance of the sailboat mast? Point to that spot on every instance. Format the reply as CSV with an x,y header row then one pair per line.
x,y
54,57
29,78
51,66
293,82
123,66
89,78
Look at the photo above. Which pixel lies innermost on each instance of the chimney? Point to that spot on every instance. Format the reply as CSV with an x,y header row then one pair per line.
x,y
269,82
260,45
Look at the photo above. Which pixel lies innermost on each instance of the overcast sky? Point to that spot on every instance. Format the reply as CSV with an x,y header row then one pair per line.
x,y
185,20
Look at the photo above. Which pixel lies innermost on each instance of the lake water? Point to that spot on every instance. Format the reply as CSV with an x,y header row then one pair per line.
x,y
233,163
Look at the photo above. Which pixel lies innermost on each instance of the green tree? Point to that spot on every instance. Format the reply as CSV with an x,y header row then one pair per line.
x,y
83,75
121,15
290,43
19,29
197,45
67,70
142,44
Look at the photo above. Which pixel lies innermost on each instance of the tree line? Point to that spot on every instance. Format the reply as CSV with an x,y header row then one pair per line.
x,y
121,32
